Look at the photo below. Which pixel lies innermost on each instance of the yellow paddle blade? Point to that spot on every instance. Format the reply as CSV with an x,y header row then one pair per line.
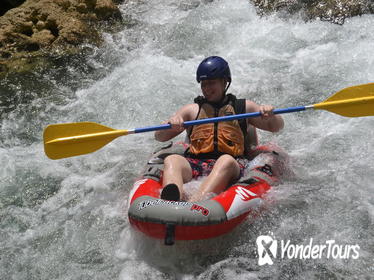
x,y
73,139
357,101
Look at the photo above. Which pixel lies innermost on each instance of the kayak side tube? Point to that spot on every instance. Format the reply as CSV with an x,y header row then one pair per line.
x,y
195,220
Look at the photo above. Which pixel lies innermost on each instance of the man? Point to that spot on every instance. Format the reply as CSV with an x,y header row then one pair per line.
x,y
217,150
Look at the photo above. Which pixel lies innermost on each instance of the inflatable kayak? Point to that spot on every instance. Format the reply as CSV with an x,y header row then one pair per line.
x,y
181,220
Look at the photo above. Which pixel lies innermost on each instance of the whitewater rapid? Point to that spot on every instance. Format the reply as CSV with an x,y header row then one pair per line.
x,y
67,219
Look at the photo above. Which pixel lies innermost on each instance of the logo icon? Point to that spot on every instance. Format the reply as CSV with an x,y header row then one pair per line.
x,y
267,249
245,194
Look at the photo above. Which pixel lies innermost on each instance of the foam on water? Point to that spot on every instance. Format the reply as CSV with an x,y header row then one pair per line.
x,y
66,219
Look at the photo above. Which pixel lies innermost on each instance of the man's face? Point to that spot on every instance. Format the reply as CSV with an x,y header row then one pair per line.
x,y
213,90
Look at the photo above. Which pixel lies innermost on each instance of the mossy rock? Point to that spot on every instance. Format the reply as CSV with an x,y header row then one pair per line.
x,y
38,27
335,11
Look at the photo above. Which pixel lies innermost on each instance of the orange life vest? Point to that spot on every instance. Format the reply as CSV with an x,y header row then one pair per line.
x,y
215,139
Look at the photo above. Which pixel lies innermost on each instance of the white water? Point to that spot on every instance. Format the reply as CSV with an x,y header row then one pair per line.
x,y
67,219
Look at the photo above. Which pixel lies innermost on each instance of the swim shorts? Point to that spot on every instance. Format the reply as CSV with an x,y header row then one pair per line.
x,y
203,167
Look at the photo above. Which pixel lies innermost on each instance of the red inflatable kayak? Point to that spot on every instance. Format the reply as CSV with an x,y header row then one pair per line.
x,y
180,220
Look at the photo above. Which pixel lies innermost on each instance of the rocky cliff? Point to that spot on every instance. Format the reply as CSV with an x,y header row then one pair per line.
x,y
37,29
335,11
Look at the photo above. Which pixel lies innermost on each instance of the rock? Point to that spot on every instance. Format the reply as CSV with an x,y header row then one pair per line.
x,y
105,9
38,27
335,11
43,38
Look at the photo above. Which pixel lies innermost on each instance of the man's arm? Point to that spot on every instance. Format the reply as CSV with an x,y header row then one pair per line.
x,y
186,113
268,121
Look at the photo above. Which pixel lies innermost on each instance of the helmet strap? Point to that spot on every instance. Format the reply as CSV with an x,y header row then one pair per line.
x,y
227,88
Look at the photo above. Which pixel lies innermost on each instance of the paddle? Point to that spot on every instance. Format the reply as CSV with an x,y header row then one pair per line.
x,y
73,139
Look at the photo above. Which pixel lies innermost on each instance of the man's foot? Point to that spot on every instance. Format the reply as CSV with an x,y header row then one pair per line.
x,y
170,192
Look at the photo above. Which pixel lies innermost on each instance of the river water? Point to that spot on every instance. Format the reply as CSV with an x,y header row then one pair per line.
x,y
66,219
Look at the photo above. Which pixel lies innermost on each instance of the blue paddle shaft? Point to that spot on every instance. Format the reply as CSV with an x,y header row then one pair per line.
x,y
220,119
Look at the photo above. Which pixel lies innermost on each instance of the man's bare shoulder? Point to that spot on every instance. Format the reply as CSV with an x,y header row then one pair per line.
x,y
189,111
250,106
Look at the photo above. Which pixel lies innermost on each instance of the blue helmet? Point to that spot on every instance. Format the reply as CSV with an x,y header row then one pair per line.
x,y
213,67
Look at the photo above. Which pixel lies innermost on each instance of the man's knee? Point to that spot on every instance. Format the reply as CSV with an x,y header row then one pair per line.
x,y
227,162
177,164
173,159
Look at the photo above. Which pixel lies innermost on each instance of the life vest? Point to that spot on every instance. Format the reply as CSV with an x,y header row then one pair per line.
x,y
215,139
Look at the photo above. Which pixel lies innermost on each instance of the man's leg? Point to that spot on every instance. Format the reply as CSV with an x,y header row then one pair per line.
x,y
177,170
225,171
